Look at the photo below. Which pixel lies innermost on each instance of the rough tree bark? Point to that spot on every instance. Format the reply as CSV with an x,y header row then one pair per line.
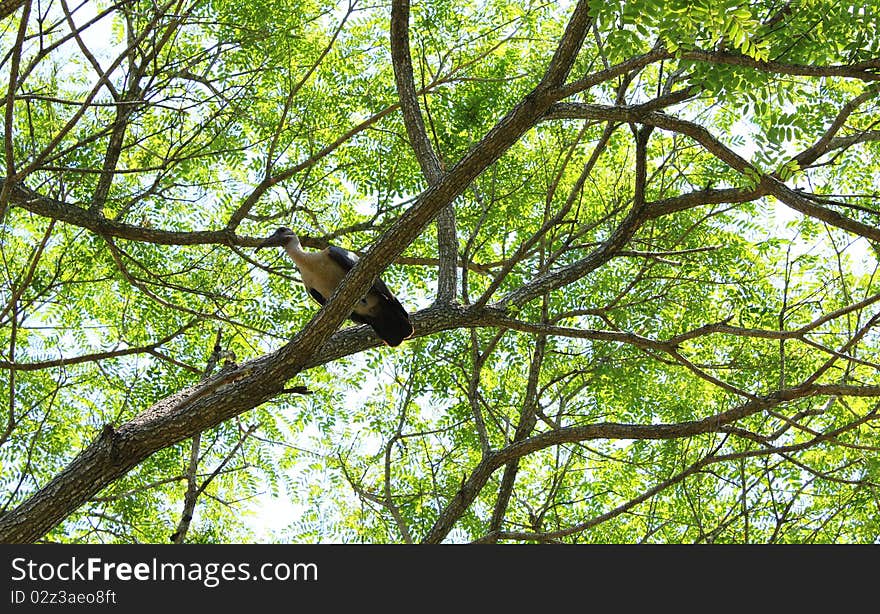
x,y
432,168
8,7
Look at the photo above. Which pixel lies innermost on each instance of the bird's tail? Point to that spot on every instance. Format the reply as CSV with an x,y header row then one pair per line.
x,y
391,322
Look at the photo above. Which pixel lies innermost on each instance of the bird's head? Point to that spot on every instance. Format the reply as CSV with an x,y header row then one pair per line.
x,y
279,238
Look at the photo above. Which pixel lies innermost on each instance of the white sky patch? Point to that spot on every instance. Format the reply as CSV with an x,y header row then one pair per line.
x,y
274,514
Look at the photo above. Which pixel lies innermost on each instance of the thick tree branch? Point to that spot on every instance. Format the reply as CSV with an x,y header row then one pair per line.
x,y
9,107
401,61
8,7
826,142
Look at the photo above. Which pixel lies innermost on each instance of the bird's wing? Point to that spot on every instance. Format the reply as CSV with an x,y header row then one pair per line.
x,y
317,296
347,260
342,257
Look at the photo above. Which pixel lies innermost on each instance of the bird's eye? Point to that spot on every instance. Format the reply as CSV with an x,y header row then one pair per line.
x,y
364,300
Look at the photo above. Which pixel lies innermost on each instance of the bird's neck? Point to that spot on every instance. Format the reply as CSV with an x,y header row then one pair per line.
x,y
294,249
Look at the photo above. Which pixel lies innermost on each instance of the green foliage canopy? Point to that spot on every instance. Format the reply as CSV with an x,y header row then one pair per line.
x,y
663,316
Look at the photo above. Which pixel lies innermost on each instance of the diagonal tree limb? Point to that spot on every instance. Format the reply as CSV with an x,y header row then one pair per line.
x,y
401,61
825,142
524,428
8,7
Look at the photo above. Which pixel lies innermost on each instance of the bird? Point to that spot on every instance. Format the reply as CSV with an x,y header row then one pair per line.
x,y
323,270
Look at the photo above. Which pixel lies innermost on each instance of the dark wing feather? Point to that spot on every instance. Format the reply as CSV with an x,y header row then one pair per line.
x,y
392,323
347,260
342,257
382,290
317,296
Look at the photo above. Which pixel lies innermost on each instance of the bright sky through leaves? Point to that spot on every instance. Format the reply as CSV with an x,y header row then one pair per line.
x,y
638,242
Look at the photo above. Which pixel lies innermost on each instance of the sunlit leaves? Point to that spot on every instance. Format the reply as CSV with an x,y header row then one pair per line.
x,y
284,113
